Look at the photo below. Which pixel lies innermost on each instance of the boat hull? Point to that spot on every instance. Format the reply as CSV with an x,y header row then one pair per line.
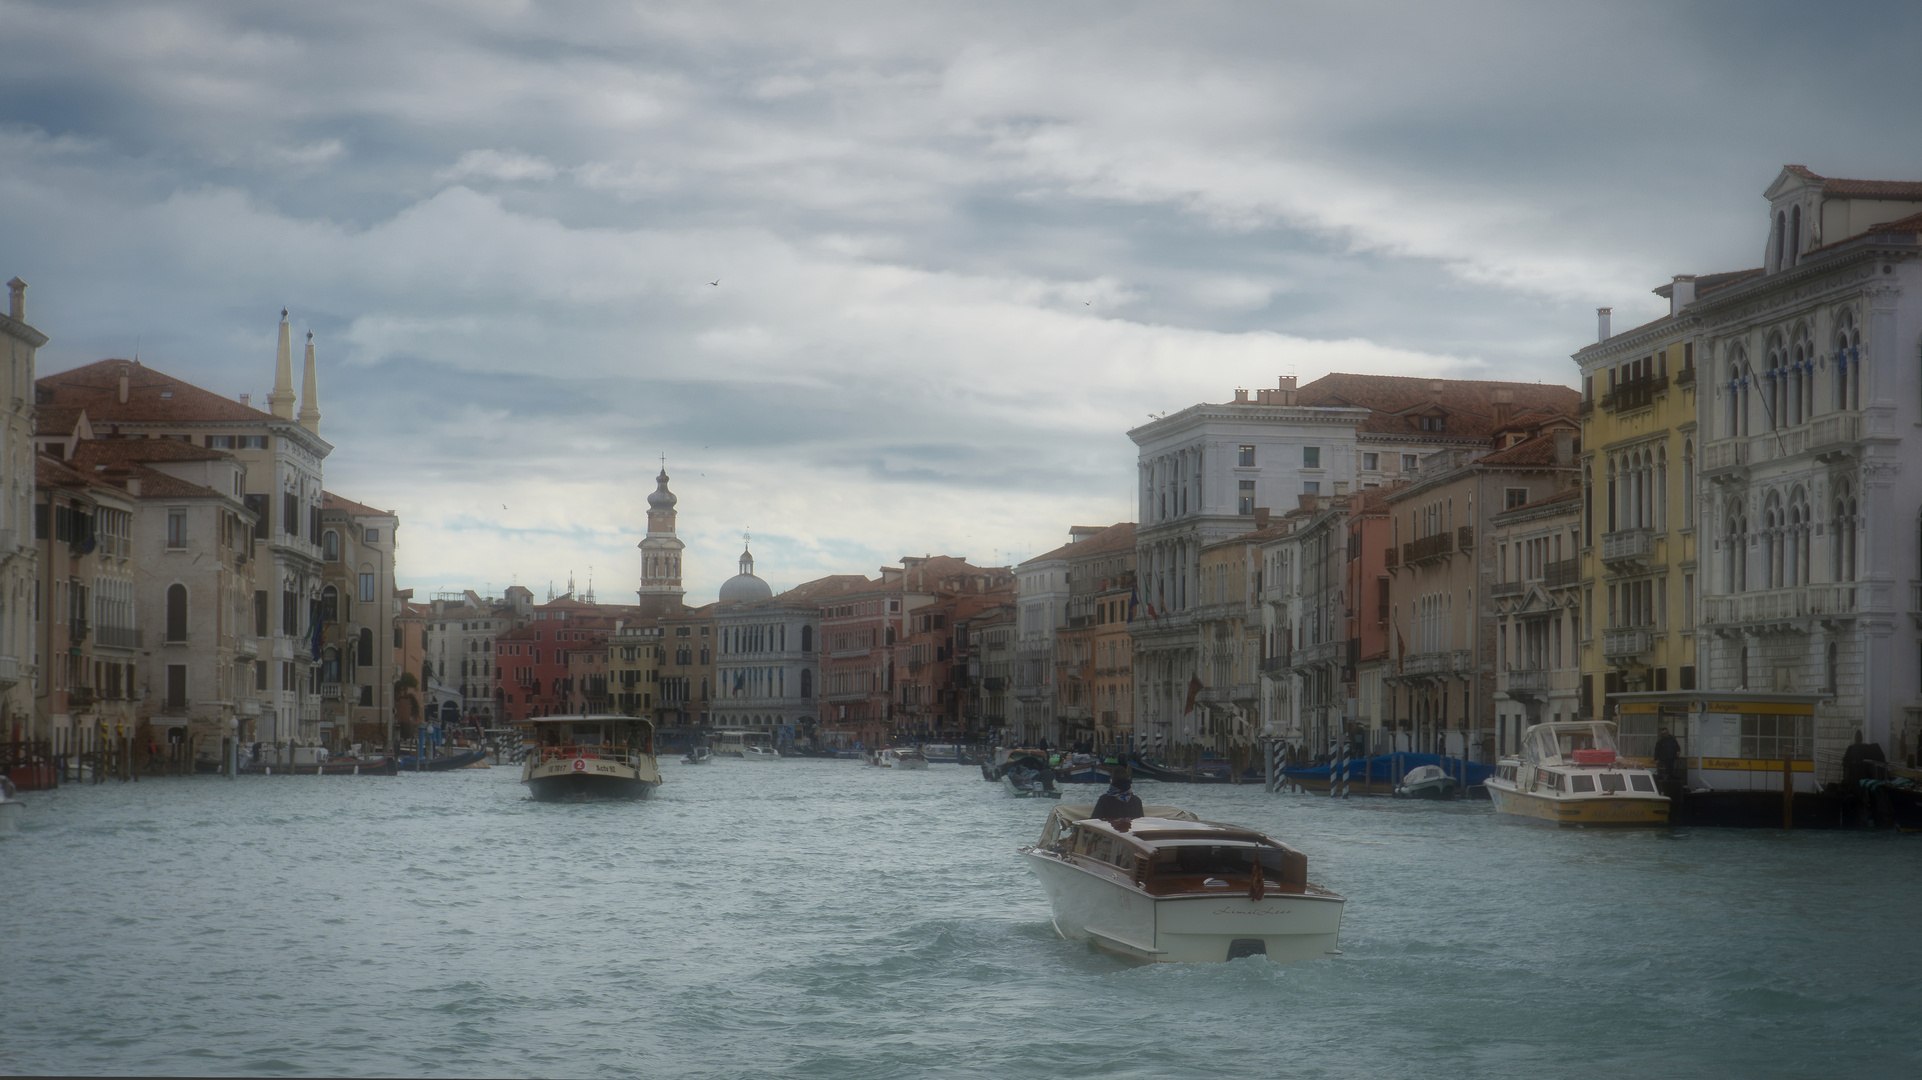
x,y
1429,789
410,763
1603,811
1088,906
564,779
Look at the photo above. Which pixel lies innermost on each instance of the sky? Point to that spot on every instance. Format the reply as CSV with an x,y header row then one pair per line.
x,y
877,279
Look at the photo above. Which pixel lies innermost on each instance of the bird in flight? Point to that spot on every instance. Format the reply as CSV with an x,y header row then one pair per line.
x,y
503,506
716,281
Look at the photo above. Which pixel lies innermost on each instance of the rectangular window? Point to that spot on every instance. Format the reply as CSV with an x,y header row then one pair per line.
x,y
253,442
1409,463
176,528
1311,487
257,504
371,536
289,513
1245,503
313,524
1246,457
290,614
1688,604
176,686
220,442
1513,497
366,588
260,613
1311,457
1370,462
260,674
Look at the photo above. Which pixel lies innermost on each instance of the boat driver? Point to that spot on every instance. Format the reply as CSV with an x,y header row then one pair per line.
x,y
1119,802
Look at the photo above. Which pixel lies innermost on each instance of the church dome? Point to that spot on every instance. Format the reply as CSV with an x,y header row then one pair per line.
x,y
744,587
662,499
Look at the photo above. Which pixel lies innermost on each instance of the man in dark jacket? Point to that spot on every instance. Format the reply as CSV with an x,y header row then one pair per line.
x,y
1119,802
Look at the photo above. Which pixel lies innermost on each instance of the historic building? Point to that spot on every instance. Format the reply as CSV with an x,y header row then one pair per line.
x,y
767,661
90,691
459,643
358,608
18,550
1442,684
1812,394
660,592
1536,595
1059,595
280,452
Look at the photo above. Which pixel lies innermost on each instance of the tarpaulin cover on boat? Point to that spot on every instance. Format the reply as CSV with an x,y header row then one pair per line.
x,y
1390,768
1064,815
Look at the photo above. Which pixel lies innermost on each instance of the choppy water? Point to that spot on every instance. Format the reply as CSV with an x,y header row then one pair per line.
x,y
824,919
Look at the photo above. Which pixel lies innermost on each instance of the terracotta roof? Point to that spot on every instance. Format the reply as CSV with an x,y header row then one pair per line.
x,y
52,472
1395,402
819,589
57,419
96,387
331,501
89,452
1862,189
1539,450
1117,537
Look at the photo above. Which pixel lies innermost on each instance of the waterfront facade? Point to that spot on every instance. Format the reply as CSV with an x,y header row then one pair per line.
x,y
18,551
358,607
89,696
1536,596
1813,398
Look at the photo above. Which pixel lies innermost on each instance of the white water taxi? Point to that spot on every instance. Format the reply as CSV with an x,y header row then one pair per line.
x,y
577,758
753,745
1570,774
1171,887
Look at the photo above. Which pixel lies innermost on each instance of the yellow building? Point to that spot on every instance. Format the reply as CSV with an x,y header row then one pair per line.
x,y
1638,556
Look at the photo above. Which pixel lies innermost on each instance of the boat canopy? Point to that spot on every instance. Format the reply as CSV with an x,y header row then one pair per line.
x,y
1061,820
1556,743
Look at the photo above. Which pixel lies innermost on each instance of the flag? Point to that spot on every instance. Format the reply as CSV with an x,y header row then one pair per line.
x,y
316,644
1153,615
1134,601
1194,688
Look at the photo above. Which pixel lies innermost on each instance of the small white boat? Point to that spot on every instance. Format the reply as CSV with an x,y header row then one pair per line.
x,y
1171,887
756,752
1427,782
1568,773
904,758
1027,784
735,742
10,807
699,755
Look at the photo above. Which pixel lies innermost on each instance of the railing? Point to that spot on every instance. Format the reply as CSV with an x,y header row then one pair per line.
x,y
1685,377
1428,547
1832,430
620,752
1562,572
1724,454
1628,545
1439,662
118,637
1310,655
1271,664
1768,604
1464,537
80,629
1626,642
249,707
1637,394
1507,588
1388,557
330,691
1587,406
1528,681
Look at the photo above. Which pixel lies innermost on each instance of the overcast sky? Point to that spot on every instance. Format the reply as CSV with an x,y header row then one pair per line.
x,y
961,248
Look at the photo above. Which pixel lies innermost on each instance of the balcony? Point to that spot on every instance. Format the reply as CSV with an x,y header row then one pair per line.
x,y
1562,573
1388,558
1531,681
117,637
1428,547
330,691
1685,377
1724,456
1634,394
1774,605
248,708
1626,644
1272,664
1439,662
1326,652
1464,537
81,698
1628,546
80,628
1507,588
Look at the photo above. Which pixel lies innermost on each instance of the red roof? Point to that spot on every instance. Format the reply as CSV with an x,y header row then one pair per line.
x,y
331,501
89,452
1900,190
96,387
1397,402
1117,537
1537,451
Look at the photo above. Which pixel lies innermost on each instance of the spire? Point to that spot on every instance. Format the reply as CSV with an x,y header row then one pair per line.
x,y
310,392
281,401
747,557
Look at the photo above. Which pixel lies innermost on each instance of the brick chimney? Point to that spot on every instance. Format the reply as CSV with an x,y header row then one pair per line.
x,y
124,371
1261,517
1504,405
1241,396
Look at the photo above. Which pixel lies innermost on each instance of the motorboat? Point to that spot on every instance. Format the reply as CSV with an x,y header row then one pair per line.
x,y
1022,782
698,755
903,757
1170,887
735,742
942,753
1569,773
444,763
1427,782
581,758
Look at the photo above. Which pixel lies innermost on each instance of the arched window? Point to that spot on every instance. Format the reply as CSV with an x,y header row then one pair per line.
x,y
807,639
1842,534
1738,386
330,604
1793,253
1848,363
176,613
330,665
1776,244
1798,537
1688,483
1735,548
330,546
1772,539
1775,390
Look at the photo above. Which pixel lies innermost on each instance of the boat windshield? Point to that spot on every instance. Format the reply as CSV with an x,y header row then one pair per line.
x,y
1549,744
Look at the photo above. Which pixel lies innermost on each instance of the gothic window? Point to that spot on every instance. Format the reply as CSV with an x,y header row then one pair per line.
x,y
330,604
1848,363
1842,534
330,546
1738,387
1772,536
1735,548
1798,537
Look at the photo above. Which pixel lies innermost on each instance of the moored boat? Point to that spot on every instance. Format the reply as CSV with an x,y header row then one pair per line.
x,y
581,758
1569,773
445,763
734,742
1171,887
1025,783
1426,782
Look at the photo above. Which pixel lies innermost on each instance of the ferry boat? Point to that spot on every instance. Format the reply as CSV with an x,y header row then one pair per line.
x,y
577,758
1569,773
1171,887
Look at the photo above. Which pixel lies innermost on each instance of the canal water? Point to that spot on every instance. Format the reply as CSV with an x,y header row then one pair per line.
x,y
825,919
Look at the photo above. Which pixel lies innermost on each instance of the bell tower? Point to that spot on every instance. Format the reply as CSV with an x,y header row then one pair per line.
x,y
661,592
